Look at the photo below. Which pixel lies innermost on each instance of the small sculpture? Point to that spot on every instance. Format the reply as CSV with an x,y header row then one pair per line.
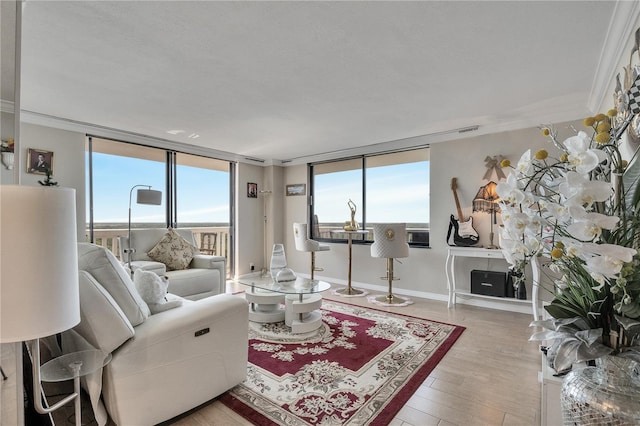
x,y
351,225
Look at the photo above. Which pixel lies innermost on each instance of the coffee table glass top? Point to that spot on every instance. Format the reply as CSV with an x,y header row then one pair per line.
x,y
299,286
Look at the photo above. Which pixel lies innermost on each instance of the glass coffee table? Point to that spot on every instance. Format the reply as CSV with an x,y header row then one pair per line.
x,y
301,297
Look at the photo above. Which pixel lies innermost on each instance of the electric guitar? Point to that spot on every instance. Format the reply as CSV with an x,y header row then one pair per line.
x,y
461,232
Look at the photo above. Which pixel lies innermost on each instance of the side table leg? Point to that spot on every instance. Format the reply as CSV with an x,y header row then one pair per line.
x,y
76,388
449,270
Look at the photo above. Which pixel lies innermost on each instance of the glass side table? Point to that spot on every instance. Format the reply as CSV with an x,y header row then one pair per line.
x,y
73,366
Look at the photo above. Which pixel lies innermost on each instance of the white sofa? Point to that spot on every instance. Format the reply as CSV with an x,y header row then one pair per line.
x,y
163,364
205,276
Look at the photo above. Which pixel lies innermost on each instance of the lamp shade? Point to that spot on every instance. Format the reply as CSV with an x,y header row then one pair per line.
x,y
149,196
39,294
487,199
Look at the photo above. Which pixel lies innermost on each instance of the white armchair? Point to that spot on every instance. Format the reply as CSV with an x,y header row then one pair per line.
x,y
205,276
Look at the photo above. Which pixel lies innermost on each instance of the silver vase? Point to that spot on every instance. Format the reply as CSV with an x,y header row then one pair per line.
x,y
608,393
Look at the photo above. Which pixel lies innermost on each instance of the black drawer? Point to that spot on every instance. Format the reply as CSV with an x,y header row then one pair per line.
x,y
489,283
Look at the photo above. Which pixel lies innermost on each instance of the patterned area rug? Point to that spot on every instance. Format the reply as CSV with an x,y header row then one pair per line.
x,y
359,368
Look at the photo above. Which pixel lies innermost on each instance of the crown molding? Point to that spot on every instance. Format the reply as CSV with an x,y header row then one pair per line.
x,y
96,130
622,26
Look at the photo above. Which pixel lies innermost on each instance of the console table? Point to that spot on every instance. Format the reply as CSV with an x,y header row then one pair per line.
x,y
479,252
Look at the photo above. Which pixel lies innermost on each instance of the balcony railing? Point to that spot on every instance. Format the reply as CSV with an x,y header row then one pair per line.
x,y
217,236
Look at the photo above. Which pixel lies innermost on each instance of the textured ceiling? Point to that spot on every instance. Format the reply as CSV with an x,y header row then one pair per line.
x,y
282,80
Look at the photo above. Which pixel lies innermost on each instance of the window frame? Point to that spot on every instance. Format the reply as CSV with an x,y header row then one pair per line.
x,y
363,167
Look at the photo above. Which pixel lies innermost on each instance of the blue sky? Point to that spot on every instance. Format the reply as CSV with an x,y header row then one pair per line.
x,y
391,192
115,175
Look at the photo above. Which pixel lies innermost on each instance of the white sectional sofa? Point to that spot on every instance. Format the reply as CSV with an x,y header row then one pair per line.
x,y
163,364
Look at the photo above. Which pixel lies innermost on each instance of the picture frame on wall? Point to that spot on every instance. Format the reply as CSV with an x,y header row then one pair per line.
x,y
296,189
252,190
39,161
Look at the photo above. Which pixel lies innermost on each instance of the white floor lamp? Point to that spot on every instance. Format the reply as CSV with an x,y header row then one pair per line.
x,y
39,273
265,270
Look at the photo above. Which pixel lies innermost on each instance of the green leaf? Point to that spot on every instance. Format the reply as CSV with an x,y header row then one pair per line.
x,y
560,310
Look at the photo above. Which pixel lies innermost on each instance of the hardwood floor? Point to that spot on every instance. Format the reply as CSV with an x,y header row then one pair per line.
x,y
489,377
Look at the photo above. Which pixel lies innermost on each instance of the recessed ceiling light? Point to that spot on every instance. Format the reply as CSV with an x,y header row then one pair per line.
x,y
193,136
175,132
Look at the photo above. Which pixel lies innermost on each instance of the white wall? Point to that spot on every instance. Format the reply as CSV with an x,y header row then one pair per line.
x,y
249,223
68,162
423,273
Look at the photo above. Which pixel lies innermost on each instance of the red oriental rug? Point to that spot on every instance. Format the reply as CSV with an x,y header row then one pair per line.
x,y
359,368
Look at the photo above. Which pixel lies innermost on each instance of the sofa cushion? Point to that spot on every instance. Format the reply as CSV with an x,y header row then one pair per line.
x,y
194,283
174,251
102,322
106,269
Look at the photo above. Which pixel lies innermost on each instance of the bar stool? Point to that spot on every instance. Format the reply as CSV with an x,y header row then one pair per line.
x,y
390,241
303,243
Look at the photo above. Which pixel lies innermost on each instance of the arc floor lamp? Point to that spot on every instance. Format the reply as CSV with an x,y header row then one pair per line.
x,y
143,196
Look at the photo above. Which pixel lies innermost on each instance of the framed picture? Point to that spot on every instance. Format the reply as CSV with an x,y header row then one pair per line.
x,y
297,189
252,190
39,161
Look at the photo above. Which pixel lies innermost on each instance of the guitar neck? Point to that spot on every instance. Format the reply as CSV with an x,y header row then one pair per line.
x,y
455,196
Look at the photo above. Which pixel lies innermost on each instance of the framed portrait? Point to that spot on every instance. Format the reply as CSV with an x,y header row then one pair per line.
x,y
252,190
39,161
296,189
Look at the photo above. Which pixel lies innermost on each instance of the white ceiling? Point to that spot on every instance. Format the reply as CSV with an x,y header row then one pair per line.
x,y
284,80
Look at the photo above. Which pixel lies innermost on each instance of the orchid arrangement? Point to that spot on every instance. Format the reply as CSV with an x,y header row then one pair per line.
x,y
580,210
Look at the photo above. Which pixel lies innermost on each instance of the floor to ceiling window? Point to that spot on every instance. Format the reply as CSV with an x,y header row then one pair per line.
x,y
385,188
196,194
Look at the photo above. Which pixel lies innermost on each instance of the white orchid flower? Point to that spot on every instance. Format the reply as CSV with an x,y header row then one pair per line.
x,y
558,211
590,226
514,251
525,165
508,190
599,278
580,156
572,247
623,254
516,224
579,190
606,266
577,143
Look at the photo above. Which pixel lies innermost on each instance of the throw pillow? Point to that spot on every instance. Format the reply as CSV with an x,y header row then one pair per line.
x,y
153,290
174,251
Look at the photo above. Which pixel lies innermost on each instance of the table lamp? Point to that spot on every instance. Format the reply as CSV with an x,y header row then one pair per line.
x,y
39,273
486,200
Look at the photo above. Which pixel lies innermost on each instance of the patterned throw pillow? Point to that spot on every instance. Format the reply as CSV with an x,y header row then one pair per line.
x,y
174,251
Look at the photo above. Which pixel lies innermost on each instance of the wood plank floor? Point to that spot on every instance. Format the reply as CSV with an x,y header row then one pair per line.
x,y
489,377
